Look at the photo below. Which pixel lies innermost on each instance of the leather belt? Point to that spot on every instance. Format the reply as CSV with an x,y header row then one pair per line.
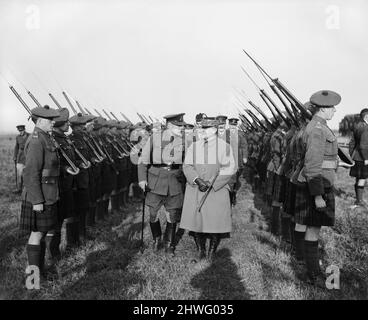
x,y
329,164
166,166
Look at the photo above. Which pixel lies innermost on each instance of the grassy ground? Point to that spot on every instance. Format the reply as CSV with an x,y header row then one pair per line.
x,y
252,264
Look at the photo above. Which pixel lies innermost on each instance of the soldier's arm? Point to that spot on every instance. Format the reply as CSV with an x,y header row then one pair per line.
x,y
227,170
315,146
33,171
16,149
363,144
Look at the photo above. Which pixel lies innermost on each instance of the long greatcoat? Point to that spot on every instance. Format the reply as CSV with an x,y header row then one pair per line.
x,y
215,215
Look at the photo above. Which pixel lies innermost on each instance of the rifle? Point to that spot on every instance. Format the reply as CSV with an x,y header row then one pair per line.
x,y
69,102
55,101
306,113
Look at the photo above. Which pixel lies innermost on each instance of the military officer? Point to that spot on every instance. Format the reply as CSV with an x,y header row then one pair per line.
x,y
319,168
208,163
41,189
358,148
19,158
160,169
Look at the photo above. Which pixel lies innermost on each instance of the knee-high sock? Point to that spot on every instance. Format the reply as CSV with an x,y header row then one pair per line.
x,y
311,258
299,245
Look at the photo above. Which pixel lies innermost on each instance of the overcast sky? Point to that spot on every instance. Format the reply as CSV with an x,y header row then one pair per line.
x,y
161,57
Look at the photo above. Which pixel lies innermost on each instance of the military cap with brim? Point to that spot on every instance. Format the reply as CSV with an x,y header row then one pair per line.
x,y
208,122
21,127
79,119
189,126
175,119
62,118
325,99
45,112
221,119
140,125
233,121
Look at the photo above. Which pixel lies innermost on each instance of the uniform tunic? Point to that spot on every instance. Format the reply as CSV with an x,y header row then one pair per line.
x,y
319,170
41,177
215,215
20,142
160,165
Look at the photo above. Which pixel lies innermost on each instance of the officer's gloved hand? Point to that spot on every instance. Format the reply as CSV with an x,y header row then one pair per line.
x,y
202,185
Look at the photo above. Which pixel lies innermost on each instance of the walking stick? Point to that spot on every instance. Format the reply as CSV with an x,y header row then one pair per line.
x,y
143,211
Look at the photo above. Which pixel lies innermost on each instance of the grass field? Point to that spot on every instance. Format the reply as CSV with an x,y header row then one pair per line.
x,y
252,264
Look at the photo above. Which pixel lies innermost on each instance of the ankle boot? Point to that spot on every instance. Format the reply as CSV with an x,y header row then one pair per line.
x,y
201,240
214,242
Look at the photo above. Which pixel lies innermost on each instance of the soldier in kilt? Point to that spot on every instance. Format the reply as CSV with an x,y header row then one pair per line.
x,y
281,184
358,149
277,152
66,210
84,180
320,164
41,190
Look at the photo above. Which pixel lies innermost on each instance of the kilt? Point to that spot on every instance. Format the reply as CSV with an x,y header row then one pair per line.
x,y
289,201
43,222
306,212
66,205
359,170
279,188
270,181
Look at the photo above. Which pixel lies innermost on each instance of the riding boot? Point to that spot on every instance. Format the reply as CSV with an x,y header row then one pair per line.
x,y
172,244
156,235
167,234
179,235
